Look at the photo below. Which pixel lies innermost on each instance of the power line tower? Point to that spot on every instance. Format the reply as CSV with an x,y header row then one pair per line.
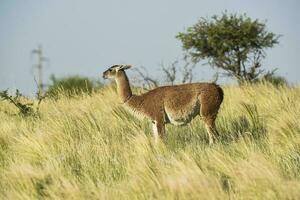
x,y
41,59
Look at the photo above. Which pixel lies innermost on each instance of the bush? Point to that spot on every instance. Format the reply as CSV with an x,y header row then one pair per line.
x,y
275,80
71,86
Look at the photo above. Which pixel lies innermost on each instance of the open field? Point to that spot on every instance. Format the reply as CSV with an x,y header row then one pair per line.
x,y
90,148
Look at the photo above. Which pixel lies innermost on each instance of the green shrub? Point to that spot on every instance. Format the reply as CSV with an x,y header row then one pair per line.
x,y
71,86
275,80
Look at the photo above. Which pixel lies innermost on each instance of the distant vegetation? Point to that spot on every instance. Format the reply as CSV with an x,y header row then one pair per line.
x,y
25,106
276,80
71,86
89,147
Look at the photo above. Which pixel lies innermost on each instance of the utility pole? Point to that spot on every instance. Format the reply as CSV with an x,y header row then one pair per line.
x,y
39,66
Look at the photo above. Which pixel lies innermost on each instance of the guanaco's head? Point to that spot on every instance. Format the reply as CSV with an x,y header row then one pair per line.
x,y
113,71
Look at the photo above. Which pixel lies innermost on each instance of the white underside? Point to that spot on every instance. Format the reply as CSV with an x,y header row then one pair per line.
x,y
178,117
184,115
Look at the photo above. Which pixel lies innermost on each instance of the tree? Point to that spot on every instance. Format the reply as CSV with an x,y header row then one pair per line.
x,y
232,42
71,86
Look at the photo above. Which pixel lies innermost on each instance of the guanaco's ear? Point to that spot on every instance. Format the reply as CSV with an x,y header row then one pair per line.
x,y
124,67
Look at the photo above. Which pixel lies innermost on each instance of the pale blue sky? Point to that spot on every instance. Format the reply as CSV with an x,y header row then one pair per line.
x,y
85,37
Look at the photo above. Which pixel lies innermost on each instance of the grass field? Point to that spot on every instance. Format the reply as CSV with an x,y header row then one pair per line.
x,y
89,147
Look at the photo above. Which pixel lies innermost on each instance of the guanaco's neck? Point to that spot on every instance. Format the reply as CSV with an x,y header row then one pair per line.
x,y
123,86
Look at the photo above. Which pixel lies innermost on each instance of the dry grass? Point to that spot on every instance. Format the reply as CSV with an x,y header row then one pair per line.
x,y
90,148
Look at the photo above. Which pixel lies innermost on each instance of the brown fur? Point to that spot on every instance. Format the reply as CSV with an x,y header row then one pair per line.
x,y
177,104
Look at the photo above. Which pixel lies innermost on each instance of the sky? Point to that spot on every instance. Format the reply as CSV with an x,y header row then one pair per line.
x,y
86,37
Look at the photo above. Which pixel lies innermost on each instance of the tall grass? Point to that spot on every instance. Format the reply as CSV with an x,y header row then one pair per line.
x,y
89,147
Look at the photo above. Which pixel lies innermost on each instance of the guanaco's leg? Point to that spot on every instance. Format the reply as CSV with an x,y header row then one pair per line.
x,y
158,130
208,111
211,129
